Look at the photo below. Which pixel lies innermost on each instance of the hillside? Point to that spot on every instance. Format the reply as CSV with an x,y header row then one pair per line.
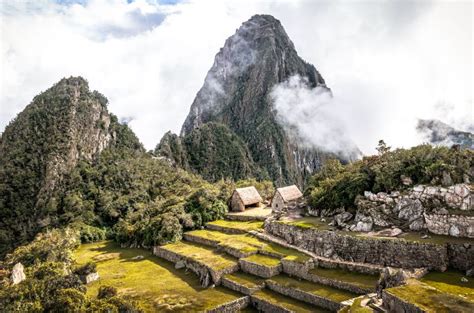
x,y
438,133
236,95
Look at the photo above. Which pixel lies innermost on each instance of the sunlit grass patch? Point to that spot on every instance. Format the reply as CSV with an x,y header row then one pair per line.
x,y
153,282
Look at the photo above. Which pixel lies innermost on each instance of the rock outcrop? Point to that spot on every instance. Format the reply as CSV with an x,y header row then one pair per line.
x,y
18,274
440,210
439,133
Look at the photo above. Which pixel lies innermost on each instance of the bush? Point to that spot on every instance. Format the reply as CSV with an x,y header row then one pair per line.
x,y
86,269
106,292
337,186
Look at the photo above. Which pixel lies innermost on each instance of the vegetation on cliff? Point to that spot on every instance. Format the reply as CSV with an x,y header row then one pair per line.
x,y
338,185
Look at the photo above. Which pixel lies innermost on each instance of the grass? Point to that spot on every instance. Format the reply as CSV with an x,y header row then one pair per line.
x,y
245,279
202,254
153,282
249,243
239,225
287,302
357,279
450,282
327,292
431,299
263,260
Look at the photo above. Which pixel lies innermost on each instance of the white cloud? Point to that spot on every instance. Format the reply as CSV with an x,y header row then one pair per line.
x,y
386,62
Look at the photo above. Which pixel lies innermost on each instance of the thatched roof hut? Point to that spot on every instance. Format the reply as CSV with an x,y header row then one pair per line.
x,y
245,197
285,195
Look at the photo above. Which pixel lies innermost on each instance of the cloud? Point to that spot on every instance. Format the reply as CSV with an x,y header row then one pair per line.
x,y
310,116
387,63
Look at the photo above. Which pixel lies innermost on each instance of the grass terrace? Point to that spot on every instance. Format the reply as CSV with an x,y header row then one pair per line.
x,y
202,254
331,293
151,281
354,278
431,299
450,282
244,279
263,260
238,225
287,302
249,243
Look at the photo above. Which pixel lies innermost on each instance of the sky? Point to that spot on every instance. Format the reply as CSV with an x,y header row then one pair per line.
x,y
387,63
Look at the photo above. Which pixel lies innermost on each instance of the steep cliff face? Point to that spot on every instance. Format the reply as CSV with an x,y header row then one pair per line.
x,y
61,126
236,93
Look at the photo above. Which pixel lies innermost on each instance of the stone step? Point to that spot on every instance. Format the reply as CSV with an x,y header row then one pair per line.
x,y
418,296
313,293
235,227
243,282
208,264
261,265
269,301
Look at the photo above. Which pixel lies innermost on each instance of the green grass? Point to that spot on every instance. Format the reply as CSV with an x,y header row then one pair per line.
x,y
249,243
239,225
202,254
263,260
327,292
450,282
153,282
431,299
287,302
245,279
357,279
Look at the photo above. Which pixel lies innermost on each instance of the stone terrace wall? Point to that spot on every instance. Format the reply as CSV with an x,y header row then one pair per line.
x,y
386,252
395,304
232,306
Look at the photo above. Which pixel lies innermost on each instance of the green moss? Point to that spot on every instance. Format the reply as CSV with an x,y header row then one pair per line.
x,y
153,282
327,292
202,254
263,260
245,279
287,302
358,279
450,282
431,299
239,225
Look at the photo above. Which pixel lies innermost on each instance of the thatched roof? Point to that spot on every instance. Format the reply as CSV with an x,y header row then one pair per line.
x,y
249,195
289,193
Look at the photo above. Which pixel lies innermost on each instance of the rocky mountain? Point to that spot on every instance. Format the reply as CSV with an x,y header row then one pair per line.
x,y
60,127
439,133
236,95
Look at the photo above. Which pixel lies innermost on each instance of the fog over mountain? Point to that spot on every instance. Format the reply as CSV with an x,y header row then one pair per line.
x,y
151,59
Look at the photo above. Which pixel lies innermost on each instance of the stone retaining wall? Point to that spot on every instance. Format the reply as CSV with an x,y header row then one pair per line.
x,y
395,304
200,240
226,230
263,305
382,251
232,306
304,296
452,225
244,218
239,287
258,269
461,255
206,274
302,271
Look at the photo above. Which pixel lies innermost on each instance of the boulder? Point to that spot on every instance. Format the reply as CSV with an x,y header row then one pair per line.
x,y
389,232
407,181
89,278
18,274
409,209
179,265
342,218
